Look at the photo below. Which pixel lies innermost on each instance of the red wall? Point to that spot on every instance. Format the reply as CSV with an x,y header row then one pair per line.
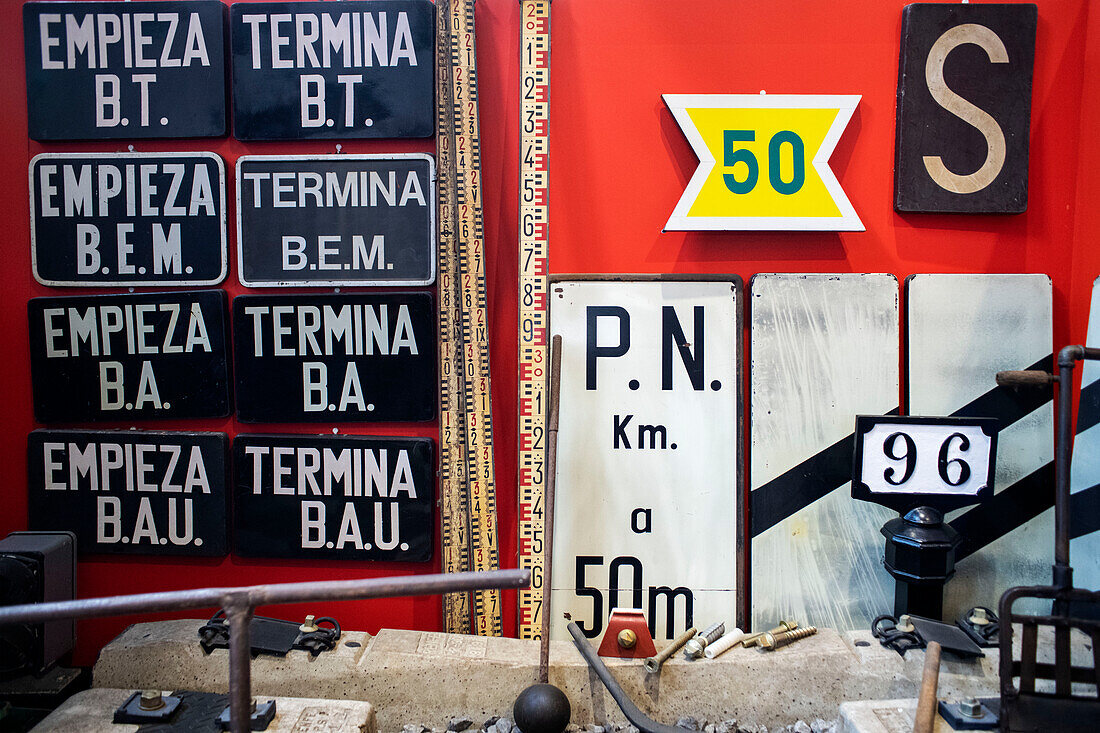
x,y
618,166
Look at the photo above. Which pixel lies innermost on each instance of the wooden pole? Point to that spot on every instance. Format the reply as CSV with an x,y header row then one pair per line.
x,y
927,702
551,476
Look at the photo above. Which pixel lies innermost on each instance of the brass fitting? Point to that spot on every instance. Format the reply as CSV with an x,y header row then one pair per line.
x,y
309,626
627,639
754,639
772,641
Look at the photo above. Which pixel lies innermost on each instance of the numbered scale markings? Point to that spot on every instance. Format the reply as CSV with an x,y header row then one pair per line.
x,y
465,382
533,255
452,447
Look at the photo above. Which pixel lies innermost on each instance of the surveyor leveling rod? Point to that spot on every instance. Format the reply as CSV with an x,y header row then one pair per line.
x,y
452,445
465,406
533,300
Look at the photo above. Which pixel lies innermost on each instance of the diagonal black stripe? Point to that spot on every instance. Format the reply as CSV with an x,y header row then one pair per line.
x,y
1009,508
802,485
1088,407
830,468
1009,404
1084,512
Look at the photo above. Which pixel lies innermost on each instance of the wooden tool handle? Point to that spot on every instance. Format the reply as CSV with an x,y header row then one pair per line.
x,y
926,704
1030,378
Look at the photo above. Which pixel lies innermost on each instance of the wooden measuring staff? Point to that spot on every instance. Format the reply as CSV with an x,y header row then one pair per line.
x,y
533,301
454,517
464,351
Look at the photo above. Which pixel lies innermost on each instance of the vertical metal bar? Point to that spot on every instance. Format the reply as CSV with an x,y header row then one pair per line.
x,y
548,522
1062,661
1096,659
238,612
1028,645
1062,572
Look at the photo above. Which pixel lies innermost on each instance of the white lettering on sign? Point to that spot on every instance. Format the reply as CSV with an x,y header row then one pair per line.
x,y
328,471
101,466
331,251
105,190
130,329
327,40
648,481
309,189
145,40
351,330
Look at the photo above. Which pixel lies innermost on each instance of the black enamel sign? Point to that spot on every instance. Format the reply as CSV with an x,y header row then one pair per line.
x,y
908,461
336,220
964,108
326,497
319,70
334,358
123,357
120,70
113,219
129,492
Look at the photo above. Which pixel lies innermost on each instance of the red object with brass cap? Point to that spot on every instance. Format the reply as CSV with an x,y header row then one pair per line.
x,y
627,636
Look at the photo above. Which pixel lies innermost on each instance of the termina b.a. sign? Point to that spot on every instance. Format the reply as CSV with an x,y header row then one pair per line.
x,y
320,70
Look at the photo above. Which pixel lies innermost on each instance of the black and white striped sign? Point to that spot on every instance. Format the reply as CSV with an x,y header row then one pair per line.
x,y
962,330
824,349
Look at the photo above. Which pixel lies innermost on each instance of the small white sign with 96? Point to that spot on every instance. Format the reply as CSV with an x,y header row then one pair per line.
x,y
924,456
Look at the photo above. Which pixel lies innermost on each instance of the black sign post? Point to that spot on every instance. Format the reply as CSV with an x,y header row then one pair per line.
x,y
124,357
326,497
964,107
334,358
131,493
116,219
922,467
336,220
116,70
317,70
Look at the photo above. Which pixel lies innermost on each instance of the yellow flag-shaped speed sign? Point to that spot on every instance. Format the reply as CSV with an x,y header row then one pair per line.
x,y
763,162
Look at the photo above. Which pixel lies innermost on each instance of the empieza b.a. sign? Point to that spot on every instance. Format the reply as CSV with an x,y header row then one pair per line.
x,y
123,357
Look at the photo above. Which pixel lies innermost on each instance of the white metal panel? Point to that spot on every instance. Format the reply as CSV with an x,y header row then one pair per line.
x,y
608,478
962,330
824,349
1084,544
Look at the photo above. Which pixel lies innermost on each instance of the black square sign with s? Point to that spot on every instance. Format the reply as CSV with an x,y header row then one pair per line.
x,y
964,108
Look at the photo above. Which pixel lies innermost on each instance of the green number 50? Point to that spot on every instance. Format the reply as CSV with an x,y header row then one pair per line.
x,y
732,155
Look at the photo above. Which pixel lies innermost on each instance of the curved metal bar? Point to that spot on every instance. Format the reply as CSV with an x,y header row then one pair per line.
x,y
632,712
